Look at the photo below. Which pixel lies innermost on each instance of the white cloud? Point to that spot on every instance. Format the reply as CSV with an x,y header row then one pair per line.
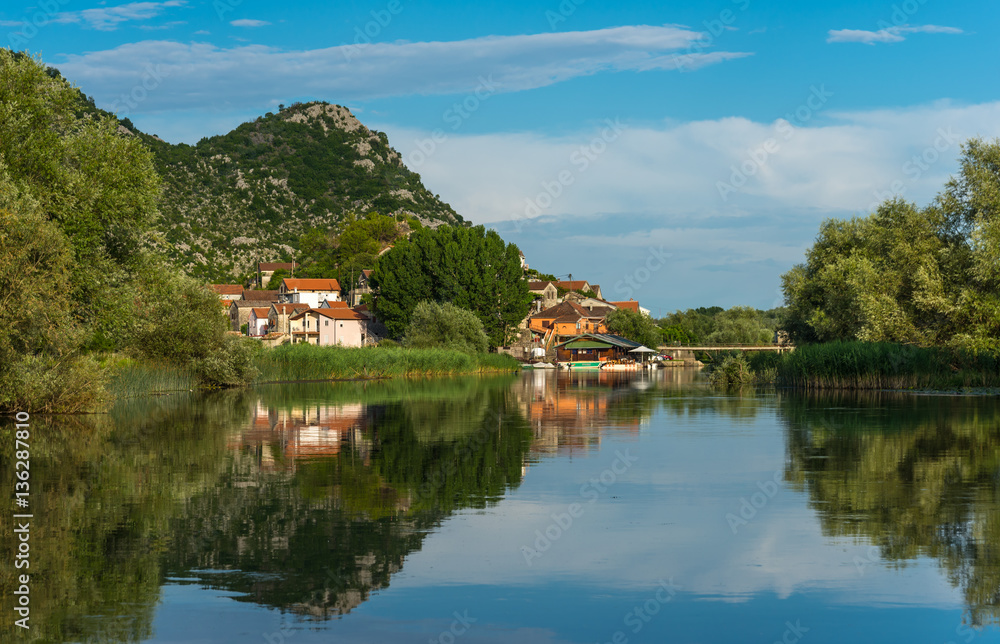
x,y
659,185
889,34
108,18
255,73
247,22
839,165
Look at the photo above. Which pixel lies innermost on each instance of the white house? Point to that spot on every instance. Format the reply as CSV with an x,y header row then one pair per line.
x,y
257,321
308,291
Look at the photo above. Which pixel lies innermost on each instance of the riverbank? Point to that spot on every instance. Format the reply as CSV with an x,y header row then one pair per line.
x,y
865,365
127,378
303,362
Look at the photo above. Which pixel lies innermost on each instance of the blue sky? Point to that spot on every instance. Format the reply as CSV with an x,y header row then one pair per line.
x,y
681,153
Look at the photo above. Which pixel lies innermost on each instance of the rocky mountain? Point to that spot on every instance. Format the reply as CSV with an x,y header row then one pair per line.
x,y
247,196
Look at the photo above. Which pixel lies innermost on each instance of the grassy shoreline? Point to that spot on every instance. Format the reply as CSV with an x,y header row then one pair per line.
x,y
303,362
865,366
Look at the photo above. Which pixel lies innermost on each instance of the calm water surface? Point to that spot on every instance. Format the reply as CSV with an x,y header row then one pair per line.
x,y
534,508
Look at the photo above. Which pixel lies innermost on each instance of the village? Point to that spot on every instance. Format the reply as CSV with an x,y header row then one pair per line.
x,y
565,325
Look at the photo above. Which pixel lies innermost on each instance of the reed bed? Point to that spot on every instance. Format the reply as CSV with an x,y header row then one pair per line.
x,y
308,362
130,378
877,365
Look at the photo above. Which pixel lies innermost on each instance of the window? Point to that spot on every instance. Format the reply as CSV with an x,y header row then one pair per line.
x,y
327,323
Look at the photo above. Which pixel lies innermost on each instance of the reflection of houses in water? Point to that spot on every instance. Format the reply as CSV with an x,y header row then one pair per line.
x,y
569,412
281,437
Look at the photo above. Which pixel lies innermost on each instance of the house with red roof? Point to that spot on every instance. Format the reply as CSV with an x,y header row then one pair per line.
x,y
227,292
257,322
308,291
336,326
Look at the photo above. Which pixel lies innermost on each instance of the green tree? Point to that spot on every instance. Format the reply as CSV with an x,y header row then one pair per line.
x,y
41,367
695,324
904,274
875,278
634,326
470,267
675,333
98,186
277,277
741,325
446,326
77,198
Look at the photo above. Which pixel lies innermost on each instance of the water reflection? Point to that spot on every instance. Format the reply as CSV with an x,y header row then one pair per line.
x,y
309,498
911,475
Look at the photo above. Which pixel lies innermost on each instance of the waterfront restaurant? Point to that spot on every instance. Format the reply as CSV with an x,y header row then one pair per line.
x,y
595,348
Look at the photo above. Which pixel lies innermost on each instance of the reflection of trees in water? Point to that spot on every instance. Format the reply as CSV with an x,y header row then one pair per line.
x,y
122,501
102,491
912,475
318,540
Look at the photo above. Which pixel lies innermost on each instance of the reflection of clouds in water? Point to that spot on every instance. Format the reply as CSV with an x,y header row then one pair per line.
x,y
670,510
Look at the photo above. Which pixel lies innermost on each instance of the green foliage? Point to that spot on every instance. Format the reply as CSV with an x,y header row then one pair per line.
x,y
97,186
269,181
696,324
881,365
132,378
470,267
446,326
277,277
177,319
233,364
76,202
732,371
903,274
676,334
715,325
541,277
40,364
634,326
309,362
740,325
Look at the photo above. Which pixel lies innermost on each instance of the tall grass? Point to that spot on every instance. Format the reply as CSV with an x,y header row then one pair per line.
x,y
308,362
732,371
878,365
130,378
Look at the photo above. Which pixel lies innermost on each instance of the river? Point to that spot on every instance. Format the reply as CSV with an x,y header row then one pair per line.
x,y
540,507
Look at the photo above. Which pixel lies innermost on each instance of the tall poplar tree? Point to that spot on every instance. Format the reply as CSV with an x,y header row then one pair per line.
x,y
472,268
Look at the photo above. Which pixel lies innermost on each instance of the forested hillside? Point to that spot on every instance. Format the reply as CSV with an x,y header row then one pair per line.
x,y
249,195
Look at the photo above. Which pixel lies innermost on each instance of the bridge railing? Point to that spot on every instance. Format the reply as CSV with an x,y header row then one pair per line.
x,y
723,347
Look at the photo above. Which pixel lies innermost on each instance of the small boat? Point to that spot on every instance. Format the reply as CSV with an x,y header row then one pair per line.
x,y
581,364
